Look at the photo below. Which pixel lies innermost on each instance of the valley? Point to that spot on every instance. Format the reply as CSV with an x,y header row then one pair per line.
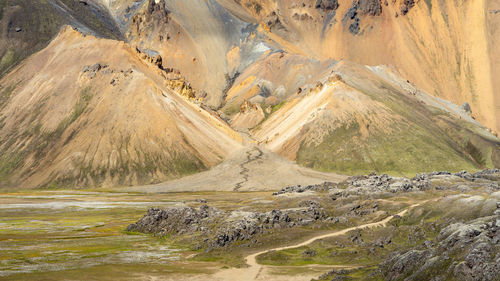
x,y
351,231
249,140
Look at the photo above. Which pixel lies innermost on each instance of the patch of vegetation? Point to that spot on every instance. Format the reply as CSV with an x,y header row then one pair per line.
x,y
7,59
406,151
8,164
33,140
2,5
231,109
277,107
49,139
6,94
40,21
429,5
474,152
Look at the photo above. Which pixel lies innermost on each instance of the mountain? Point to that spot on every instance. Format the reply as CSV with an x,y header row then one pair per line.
x,y
446,48
362,119
27,26
140,92
87,111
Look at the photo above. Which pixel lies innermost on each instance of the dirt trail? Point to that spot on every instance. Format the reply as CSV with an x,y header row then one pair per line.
x,y
253,271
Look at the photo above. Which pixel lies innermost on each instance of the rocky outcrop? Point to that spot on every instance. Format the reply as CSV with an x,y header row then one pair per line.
x,y
92,70
334,275
217,228
273,22
327,5
326,186
351,16
373,183
176,220
466,107
462,251
157,11
370,7
406,5
361,7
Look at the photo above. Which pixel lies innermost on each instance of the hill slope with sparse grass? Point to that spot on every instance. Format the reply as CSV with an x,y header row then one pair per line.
x,y
92,112
27,26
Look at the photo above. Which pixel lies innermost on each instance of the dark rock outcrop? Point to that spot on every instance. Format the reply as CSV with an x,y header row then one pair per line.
x,y
370,7
326,186
327,5
158,11
351,17
217,228
273,22
373,183
463,251
92,70
354,27
351,13
175,220
406,6
466,107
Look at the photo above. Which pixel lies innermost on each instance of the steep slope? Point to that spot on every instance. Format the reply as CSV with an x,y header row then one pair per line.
x,y
27,26
90,112
362,119
445,47
200,38
291,73
273,78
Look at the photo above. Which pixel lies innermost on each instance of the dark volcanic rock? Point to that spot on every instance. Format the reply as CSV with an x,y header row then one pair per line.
x,y
218,228
92,70
406,5
370,7
326,186
335,274
273,22
352,13
327,5
373,183
175,220
158,11
351,16
466,107
354,27
385,183
464,251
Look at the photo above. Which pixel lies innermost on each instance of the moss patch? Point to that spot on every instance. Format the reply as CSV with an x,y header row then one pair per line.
x,y
405,152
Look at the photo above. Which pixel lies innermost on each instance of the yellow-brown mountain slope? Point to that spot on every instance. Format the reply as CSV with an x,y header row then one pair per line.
x,y
91,112
446,47
360,119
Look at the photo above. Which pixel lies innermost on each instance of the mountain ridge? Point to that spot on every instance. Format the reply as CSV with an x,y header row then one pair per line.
x,y
241,73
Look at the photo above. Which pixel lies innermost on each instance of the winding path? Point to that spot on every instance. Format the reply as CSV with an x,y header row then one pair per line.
x,y
252,272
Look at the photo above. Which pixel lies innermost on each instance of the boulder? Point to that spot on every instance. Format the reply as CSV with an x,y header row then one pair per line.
x,y
466,107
